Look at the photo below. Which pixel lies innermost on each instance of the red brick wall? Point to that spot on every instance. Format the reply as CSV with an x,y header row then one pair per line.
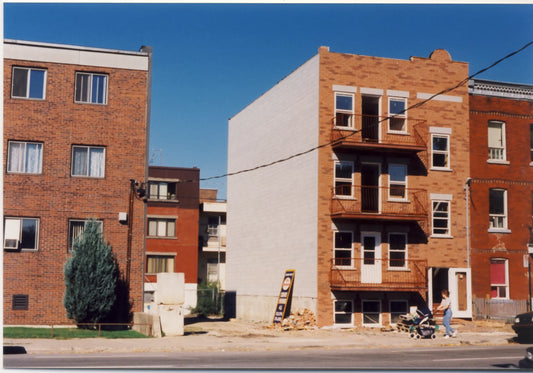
x,y
516,177
55,197
418,75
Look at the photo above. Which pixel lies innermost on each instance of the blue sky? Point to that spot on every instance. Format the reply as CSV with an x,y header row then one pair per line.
x,y
211,60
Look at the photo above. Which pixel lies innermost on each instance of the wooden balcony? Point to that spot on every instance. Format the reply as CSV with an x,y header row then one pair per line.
x,y
379,203
378,133
369,274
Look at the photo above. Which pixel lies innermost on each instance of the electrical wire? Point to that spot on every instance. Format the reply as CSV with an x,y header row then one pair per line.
x,y
461,83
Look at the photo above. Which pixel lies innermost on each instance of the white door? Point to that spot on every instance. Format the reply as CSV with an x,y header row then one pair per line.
x,y
370,257
460,286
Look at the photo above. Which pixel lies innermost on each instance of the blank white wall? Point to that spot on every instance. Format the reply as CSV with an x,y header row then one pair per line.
x,y
272,212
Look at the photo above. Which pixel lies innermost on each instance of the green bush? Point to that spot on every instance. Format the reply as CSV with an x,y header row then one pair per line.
x,y
209,300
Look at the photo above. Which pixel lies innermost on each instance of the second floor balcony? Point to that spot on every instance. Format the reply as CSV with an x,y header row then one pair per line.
x,y
378,132
379,203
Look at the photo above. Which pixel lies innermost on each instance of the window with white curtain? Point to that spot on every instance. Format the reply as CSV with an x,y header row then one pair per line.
x,y
497,141
159,263
24,157
88,161
75,231
159,227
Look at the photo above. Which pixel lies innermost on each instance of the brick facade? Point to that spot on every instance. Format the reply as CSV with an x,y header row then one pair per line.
x,y
512,174
54,196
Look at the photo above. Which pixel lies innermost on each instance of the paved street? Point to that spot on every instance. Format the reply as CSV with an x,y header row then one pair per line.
x,y
492,357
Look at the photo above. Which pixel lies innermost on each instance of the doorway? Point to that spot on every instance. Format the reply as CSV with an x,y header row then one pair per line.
x,y
371,257
370,125
370,187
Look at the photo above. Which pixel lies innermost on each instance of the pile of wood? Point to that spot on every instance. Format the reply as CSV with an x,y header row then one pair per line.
x,y
302,319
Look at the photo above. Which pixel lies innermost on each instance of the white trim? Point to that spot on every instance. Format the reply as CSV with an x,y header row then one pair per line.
x,y
56,53
405,266
446,152
392,92
399,301
340,325
453,288
403,183
341,179
440,130
343,249
371,91
446,98
442,197
363,301
344,88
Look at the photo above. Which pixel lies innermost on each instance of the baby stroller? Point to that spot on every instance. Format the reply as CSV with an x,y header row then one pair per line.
x,y
423,324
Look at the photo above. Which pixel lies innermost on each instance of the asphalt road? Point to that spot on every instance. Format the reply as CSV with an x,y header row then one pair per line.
x,y
461,357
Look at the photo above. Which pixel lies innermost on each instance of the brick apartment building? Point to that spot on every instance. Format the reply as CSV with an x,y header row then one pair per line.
x,y
372,222
76,123
501,195
172,228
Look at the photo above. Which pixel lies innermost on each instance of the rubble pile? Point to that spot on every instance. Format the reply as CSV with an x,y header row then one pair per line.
x,y
302,319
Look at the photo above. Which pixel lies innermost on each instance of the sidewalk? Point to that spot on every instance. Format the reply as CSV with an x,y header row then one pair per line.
x,y
235,335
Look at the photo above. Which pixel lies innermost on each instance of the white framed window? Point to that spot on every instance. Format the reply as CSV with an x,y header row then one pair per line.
x,y
160,263
499,278
163,190
397,181
371,312
440,215
496,143
21,233
397,308
88,161
343,178
343,248
440,151
161,227
91,88
344,109
343,312
398,115
397,250
76,227
28,83
24,157
497,209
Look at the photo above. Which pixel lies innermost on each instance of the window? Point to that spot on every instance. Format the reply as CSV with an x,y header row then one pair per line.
x,y
499,278
21,233
397,308
75,231
498,209
343,110
91,88
88,161
343,312
397,250
440,151
24,157
343,178
397,181
398,115
441,218
371,312
163,190
159,263
343,248
212,226
28,83
496,141
158,227
531,141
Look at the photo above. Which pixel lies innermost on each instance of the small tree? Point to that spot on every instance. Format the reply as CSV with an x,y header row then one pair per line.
x,y
90,277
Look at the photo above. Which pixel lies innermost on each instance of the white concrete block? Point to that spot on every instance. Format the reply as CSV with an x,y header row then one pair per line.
x,y
172,320
170,288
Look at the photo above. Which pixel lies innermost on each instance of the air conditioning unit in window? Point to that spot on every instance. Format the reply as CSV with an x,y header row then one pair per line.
x,y
11,244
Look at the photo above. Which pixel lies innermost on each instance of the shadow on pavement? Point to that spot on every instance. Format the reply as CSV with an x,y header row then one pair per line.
x,y
193,319
11,350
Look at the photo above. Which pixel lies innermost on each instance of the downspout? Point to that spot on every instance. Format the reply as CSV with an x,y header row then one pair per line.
x,y
467,190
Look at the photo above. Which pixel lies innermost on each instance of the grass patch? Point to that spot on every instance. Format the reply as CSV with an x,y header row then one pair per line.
x,y
67,333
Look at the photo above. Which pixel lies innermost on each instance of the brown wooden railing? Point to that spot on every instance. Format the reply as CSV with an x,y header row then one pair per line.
x,y
386,274
386,202
356,129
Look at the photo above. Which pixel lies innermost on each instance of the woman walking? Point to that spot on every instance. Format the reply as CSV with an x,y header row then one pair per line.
x,y
446,320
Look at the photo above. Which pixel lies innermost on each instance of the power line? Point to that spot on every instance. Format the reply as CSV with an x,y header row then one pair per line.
x,y
462,82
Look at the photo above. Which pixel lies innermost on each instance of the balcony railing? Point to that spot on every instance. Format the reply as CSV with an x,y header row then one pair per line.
x,y
378,274
353,130
353,201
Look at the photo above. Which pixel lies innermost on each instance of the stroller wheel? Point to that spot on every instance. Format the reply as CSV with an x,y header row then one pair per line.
x,y
433,336
418,336
412,335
